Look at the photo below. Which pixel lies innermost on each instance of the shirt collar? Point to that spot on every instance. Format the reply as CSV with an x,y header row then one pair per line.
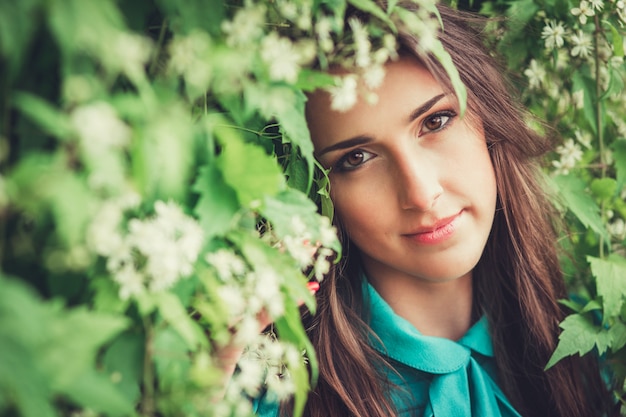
x,y
398,339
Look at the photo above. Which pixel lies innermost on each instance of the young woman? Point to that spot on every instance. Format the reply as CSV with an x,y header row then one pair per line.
x,y
446,302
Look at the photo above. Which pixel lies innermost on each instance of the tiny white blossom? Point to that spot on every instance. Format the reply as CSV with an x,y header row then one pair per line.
x,y
597,4
322,264
250,376
328,232
583,11
583,45
281,57
553,34
131,52
323,28
99,127
246,26
374,76
570,153
344,96
233,298
535,74
226,263
361,43
583,138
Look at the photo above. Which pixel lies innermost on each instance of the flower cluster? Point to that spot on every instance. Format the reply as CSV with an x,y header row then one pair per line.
x,y
153,254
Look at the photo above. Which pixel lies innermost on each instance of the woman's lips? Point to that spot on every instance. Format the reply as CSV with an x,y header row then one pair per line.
x,y
440,231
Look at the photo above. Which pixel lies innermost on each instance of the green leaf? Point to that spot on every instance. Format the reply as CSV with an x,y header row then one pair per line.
x,y
579,336
50,119
587,85
217,204
610,283
94,390
572,191
175,314
123,361
619,155
372,8
603,188
293,124
616,39
618,335
251,172
446,61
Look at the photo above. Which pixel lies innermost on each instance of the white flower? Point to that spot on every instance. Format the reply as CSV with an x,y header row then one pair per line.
x,y
553,34
322,264
131,281
323,28
583,11
344,96
362,43
374,76
246,26
250,376
189,58
103,234
583,138
233,298
300,249
597,4
226,263
570,153
535,74
582,44
617,228
99,128
281,57
328,232
131,52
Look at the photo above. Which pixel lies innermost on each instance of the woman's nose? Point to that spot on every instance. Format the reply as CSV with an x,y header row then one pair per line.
x,y
418,183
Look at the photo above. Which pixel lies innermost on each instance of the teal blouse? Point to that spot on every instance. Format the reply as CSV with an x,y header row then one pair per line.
x,y
436,377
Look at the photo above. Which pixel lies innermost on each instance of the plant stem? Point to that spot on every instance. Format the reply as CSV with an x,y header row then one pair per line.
x,y
600,134
147,400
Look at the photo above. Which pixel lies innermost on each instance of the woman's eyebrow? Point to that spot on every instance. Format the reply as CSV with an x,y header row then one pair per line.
x,y
361,140
425,107
345,144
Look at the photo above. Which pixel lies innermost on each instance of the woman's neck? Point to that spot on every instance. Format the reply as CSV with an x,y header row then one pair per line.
x,y
442,309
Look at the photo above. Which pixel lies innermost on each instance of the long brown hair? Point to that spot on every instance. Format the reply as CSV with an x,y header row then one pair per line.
x,y
517,282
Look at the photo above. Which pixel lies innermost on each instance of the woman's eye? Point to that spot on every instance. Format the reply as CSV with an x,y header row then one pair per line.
x,y
436,122
353,160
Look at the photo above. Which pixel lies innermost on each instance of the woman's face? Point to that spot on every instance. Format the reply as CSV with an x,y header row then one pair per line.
x,y
412,183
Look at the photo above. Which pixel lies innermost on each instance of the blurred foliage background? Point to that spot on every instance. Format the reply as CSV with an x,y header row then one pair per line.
x,y
158,187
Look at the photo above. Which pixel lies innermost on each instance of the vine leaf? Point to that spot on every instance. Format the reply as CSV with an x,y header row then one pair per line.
x,y
575,198
579,336
619,155
251,172
217,203
611,286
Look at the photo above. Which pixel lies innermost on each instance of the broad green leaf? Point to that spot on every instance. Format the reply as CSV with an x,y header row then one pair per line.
x,y
610,277
250,171
579,336
217,204
171,358
49,118
95,391
123,362
617,40
177,316
619,155
603,188
293,124
574,195
587,85
618,335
